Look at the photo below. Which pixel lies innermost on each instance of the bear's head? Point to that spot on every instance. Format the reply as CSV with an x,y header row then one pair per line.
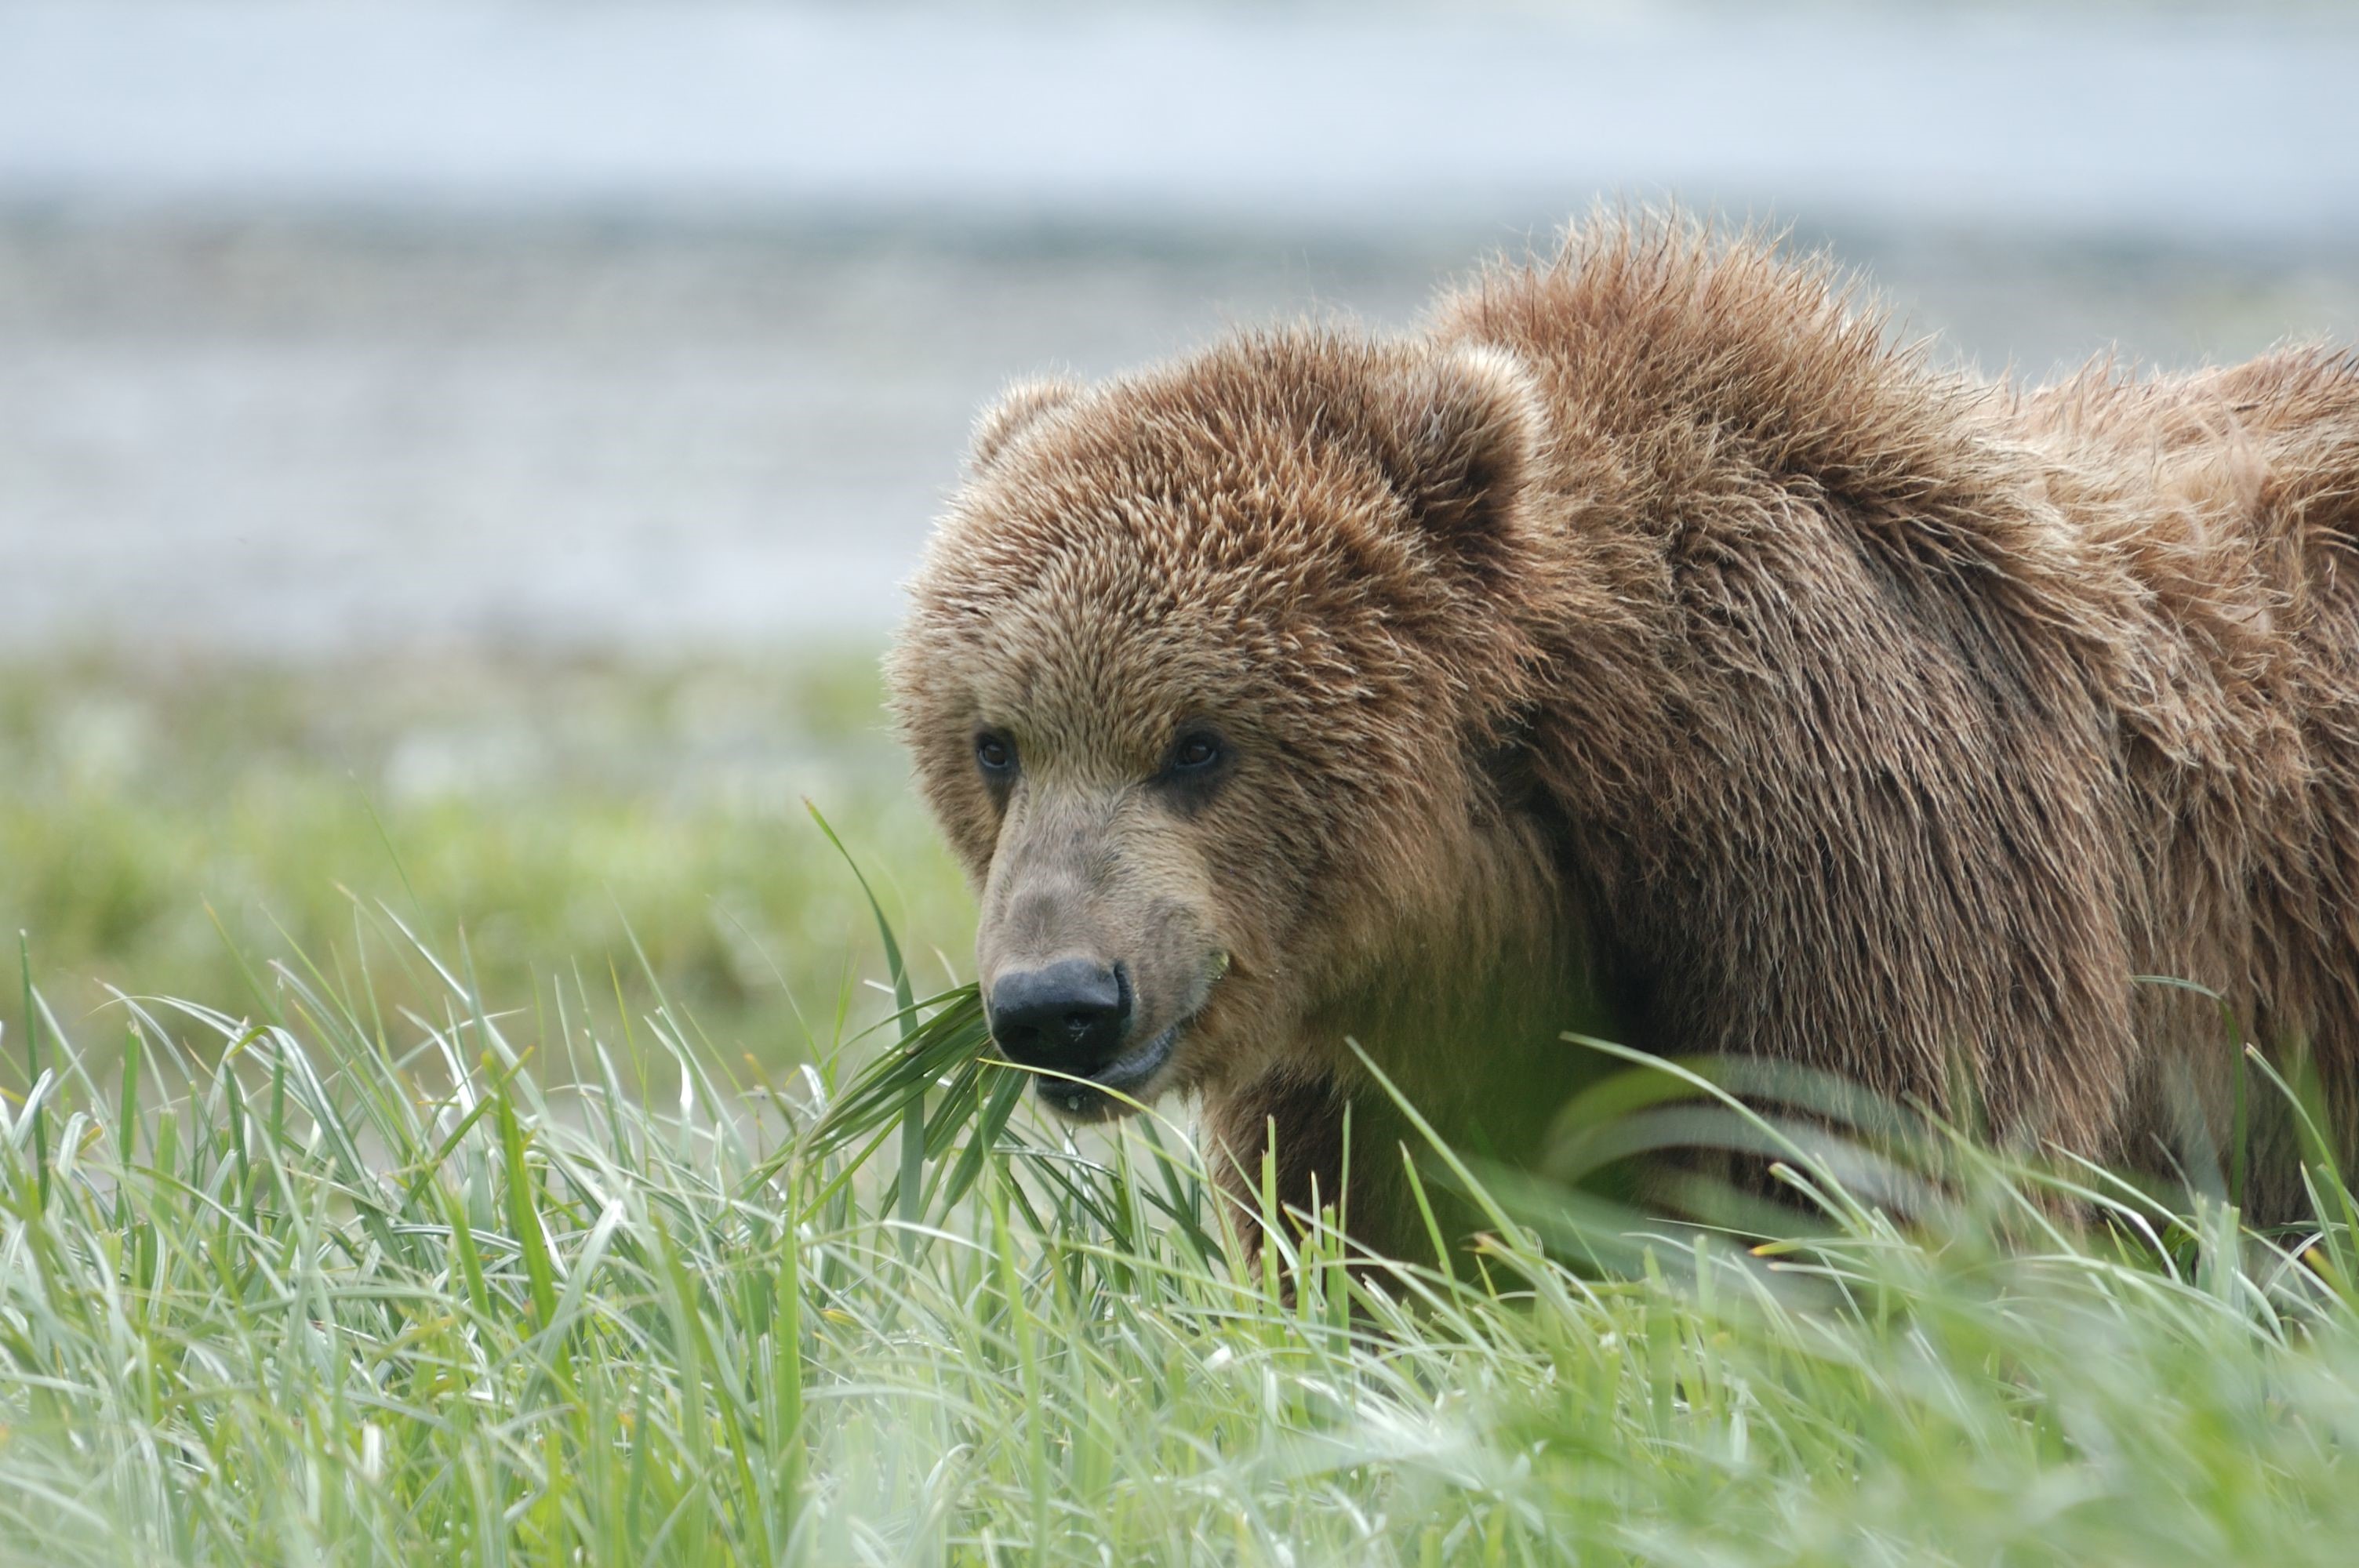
x,y
1207,675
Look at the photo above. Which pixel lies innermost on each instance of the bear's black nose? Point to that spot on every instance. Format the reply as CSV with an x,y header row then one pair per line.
x,y
1068,1016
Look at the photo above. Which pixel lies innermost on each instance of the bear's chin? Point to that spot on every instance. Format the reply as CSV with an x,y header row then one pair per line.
x,y
1122,1087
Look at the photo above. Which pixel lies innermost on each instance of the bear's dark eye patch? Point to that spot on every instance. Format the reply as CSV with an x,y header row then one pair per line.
x,y
1197,762
996,755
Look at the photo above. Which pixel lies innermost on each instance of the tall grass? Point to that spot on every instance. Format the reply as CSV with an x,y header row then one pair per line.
x,y
323,1284
147,812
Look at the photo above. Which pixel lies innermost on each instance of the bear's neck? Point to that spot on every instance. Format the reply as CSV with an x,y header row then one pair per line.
x,y
1476,1041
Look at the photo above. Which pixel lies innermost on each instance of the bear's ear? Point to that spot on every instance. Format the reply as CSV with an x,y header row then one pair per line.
x,y
1022,406
1465,437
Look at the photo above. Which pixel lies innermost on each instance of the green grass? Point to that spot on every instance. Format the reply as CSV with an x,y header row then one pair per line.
x,y
320,1287
433,1254
153,825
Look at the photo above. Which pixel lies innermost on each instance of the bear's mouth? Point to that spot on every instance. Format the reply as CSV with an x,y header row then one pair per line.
x,y
1111,1090
1120,1086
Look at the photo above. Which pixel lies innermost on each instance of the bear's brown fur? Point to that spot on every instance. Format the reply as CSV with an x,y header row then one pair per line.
x,y
1650,627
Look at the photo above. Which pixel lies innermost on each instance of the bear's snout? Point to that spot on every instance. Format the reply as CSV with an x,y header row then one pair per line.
x,y
1069,1016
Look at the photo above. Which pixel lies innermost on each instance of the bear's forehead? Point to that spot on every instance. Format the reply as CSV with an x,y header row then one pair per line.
x,y
1219,541
1148,523
1136,649
1101,625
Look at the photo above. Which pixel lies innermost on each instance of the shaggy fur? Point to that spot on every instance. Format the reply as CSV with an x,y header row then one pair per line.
x,y
1650,630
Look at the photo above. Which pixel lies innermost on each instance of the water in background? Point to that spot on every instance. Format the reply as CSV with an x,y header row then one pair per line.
x,y
638,328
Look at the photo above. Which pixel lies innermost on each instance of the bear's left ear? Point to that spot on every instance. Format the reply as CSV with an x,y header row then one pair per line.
x,y
1024,404
1464,437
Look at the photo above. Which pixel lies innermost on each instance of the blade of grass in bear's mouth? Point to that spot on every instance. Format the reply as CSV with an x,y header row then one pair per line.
x,y
948,1043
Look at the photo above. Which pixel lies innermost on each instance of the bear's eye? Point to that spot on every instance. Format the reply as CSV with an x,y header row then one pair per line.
x,y
1193,769
995,755
1195,753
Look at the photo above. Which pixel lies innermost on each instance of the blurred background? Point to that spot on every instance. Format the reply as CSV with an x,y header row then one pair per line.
x,y
458,457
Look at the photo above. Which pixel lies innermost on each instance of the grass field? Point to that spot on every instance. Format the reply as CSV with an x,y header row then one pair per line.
x,y
405,1252
159,830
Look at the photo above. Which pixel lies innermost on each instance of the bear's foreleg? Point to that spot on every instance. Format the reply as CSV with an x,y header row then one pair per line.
x,y
1293,1144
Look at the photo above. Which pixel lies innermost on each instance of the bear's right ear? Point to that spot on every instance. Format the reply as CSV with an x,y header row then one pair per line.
x,y
1466,435
1022,406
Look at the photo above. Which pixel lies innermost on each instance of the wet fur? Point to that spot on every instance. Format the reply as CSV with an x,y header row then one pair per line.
x,y
1650,628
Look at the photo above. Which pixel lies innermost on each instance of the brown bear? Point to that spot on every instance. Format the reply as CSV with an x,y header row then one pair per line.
x,y
1649,645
